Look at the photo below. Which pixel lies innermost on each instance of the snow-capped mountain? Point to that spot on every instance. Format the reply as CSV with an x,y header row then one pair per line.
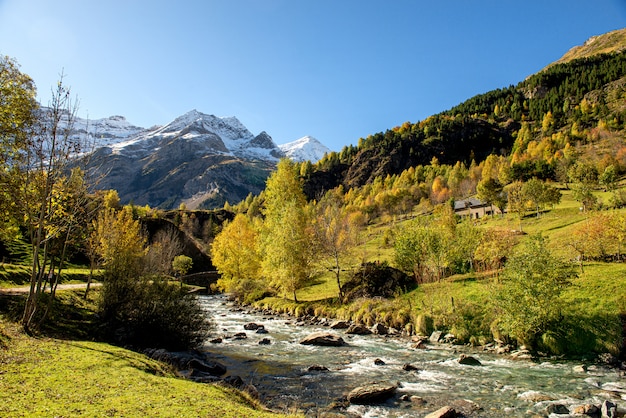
x,y
305,148
197,159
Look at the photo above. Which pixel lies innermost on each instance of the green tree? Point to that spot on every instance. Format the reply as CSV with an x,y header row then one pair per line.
x,y
181,265
517,200
538,194
491,192
286,239
529,301
585,178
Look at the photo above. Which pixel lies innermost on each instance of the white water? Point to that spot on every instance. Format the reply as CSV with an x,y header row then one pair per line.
x,y
500,385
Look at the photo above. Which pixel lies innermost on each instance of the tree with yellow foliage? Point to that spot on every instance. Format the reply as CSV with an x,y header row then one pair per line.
x,y
234,254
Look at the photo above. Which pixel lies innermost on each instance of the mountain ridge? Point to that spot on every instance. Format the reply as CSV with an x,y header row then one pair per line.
x,y
197,159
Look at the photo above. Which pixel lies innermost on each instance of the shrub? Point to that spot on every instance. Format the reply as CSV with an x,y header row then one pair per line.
x,y
153,313
377,279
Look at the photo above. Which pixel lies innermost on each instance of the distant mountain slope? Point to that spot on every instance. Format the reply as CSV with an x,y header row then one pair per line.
x,y
603,44
568,100
197,159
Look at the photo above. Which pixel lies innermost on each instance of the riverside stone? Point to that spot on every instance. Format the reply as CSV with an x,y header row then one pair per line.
x,y
323,339
358,329
435,337
340,325
445,412
372,394
469,361
380,329
608,409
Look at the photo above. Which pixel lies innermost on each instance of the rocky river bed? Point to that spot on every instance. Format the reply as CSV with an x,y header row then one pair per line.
x,y
265,350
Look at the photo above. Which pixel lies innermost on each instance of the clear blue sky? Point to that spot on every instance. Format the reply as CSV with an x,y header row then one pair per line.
x,y
337,70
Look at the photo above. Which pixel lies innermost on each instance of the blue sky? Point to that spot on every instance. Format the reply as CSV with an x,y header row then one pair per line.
x,y
337,70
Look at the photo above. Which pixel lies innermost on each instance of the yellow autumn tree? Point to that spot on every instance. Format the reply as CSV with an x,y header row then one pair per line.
x,y
234,254
286,239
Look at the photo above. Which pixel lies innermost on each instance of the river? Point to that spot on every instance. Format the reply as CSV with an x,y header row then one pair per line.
x,y
502,386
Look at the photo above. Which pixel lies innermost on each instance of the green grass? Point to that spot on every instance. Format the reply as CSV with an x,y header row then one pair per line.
x,y
52,378
68,376
15,275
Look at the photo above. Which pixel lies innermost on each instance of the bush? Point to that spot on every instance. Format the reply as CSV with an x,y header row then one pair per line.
x,y
377,279
153,314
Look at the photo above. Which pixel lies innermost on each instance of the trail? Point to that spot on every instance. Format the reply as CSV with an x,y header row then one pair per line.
x,y
22,290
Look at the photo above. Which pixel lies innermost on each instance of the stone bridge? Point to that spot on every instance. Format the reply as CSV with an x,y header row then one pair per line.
x,y
203,279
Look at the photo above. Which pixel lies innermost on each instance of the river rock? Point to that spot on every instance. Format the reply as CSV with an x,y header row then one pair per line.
x,y
558,409
435,336
379,329
409,368
580,369
608,409
358,329
196,364
317,368
535,397
587,409
340,325
252,326
262,331
372,394
379,362
216,341
265,341
445,412
323,339
469,361
240,336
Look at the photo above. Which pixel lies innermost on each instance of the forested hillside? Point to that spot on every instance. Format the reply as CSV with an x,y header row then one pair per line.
x,y
566,108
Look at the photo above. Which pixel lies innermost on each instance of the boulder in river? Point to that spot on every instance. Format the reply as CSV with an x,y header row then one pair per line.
x,y
340,325
380,329
372,394
317,368
469,361
435,336
323,339
445,412
410,368
358,330
252,326
265,341
608,409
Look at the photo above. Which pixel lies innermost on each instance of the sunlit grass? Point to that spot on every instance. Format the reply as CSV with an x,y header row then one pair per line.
x,y
47,378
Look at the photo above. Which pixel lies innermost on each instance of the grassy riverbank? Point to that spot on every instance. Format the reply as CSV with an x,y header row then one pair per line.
x,y
462,304
71,376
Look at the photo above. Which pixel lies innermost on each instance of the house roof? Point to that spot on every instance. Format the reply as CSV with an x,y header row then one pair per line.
x,y
468,203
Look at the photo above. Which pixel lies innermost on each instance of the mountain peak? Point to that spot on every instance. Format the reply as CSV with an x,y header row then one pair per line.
x,y
305,148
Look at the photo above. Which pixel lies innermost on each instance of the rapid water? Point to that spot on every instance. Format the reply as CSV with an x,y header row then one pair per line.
x,y
500,387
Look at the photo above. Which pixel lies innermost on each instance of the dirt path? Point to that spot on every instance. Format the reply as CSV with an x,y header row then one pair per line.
x,y
24,289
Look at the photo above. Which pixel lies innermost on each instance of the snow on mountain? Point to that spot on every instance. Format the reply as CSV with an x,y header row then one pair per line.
x,y
105,132
211,134
305,148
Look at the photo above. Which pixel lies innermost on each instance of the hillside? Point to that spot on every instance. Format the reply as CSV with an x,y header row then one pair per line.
x,y
612,42
576,103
